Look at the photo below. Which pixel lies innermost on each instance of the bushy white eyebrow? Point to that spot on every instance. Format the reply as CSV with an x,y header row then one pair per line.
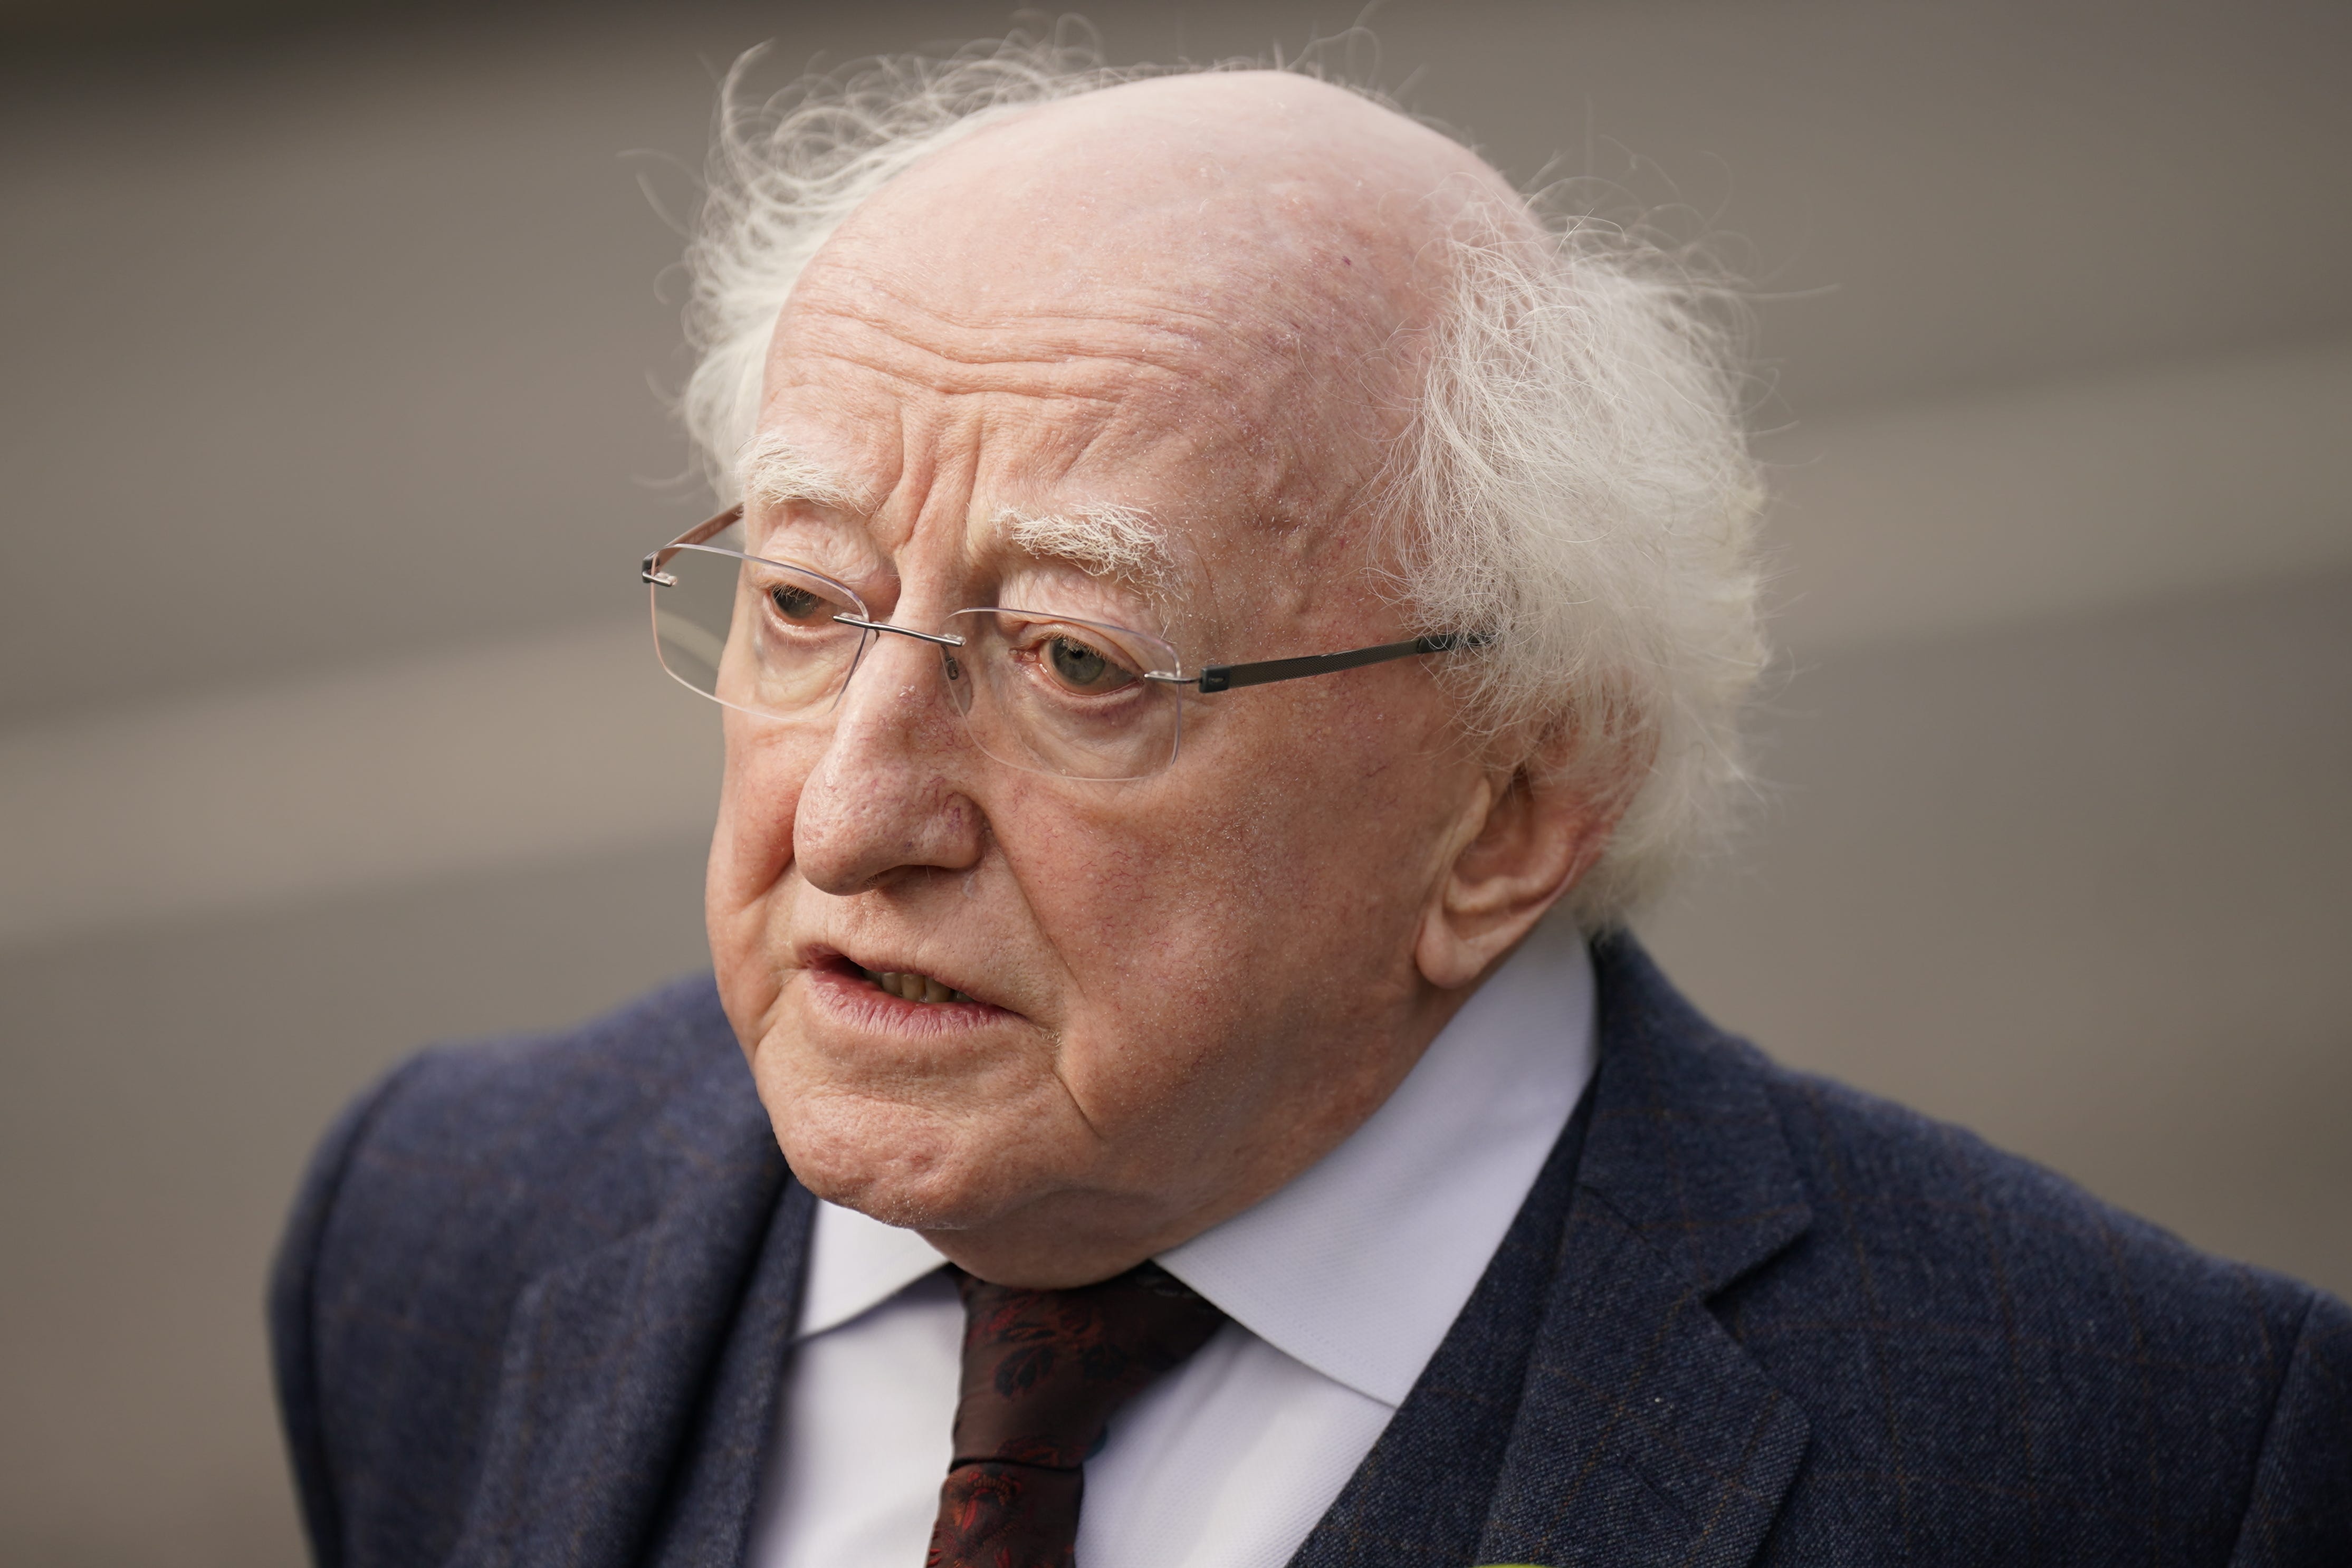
x,y
1100,538
774,472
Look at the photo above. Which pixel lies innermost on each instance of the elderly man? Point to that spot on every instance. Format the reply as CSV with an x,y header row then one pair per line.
x,y
1201,1106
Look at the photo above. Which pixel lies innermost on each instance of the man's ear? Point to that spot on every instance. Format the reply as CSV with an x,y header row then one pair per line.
x,y
1522,842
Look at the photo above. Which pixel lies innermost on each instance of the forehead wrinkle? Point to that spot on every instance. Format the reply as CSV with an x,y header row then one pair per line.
x,y
1163,330
1074,368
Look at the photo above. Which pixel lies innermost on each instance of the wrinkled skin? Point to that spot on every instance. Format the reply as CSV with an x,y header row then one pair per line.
x,y
1198,297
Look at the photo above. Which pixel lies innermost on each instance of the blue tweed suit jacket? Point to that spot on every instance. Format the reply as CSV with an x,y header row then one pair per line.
x,y
535,1301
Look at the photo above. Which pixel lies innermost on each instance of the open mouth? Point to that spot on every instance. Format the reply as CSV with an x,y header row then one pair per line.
x,y
908,986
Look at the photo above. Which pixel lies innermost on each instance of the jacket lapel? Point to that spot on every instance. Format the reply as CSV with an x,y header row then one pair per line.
x,y
1420,1498
716,1491
1645,1434
610,1358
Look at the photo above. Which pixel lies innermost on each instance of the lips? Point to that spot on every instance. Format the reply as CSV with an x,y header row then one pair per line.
x,y
909,987
845,974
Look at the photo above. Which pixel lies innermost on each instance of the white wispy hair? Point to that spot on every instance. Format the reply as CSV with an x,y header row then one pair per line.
x,y
1576,481
1574,478
786,171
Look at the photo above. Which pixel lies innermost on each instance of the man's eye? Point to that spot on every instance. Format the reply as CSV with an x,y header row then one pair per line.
x,y
796,604
1084,668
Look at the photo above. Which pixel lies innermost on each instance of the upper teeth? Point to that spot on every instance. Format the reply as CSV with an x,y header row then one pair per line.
x,y
912,987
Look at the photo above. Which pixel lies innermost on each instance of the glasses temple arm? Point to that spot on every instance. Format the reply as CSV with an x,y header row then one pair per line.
x,y
650,569
1225,677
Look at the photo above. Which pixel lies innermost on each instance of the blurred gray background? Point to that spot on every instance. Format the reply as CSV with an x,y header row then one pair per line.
x,y
335,338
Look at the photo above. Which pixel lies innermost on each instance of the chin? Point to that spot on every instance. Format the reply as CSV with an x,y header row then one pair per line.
x,y
895,1165
890,1203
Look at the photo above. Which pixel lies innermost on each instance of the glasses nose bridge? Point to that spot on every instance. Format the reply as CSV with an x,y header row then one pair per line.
x,y
942,639
874,634
876,640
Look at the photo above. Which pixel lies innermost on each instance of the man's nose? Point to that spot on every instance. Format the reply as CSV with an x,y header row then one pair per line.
x,y
887,796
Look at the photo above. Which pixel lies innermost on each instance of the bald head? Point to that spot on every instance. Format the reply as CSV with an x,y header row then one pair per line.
x,y
1265,190
1263,245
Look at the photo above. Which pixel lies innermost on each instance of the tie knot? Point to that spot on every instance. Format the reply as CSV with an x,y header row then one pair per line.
x,y
1044,1371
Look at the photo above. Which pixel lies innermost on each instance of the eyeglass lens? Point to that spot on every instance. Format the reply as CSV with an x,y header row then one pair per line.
x,y
1041,692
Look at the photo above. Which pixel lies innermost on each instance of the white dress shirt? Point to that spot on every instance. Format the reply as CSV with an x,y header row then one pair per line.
x,y
1339,1287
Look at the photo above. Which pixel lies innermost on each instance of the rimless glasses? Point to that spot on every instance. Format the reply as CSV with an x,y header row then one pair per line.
x,y
1038,691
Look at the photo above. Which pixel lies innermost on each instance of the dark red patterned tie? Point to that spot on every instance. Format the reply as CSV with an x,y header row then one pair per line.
x,y
1043,1373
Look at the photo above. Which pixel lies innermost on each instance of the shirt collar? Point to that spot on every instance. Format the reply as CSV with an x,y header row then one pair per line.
x,y
1360,1266
855,1264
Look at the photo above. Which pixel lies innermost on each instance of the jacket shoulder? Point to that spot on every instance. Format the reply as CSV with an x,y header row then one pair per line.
x,y
433,1203
538,1120
2007,1356
470,1168
1888,1184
